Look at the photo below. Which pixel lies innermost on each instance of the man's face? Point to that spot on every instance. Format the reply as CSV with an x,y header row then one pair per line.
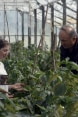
x,y
4,52
66,40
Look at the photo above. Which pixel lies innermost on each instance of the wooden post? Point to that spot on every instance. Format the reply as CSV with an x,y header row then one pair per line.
x,y
52,37
4,21
77,17
22,27
29,26
35,27
64,12
43,25
17,25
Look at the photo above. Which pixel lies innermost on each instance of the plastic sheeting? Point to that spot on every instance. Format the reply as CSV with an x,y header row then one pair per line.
x,y
28,6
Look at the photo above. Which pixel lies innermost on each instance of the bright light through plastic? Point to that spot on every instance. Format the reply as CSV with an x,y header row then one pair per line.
x,y
53,0
44,2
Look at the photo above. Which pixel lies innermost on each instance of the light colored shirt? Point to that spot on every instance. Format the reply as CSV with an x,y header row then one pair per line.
x,y
2,69
4,87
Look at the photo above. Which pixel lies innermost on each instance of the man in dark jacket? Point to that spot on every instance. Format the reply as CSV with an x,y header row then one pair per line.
x,y
69,43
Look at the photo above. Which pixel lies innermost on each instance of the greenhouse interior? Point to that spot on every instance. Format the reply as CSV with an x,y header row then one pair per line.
x,y
39,77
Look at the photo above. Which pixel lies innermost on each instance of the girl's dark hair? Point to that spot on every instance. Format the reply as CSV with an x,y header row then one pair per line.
x,y
3,42
3,79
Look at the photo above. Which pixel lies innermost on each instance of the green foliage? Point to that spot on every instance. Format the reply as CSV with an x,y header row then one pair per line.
x,y
51,93
7,107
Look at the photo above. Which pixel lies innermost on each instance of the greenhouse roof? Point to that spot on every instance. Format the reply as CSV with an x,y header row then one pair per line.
x,y
29,6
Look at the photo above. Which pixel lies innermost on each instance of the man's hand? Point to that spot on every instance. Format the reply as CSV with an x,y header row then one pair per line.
x,y
17,86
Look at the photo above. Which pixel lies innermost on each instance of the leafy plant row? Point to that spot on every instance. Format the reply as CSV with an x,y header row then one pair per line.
x,y
48,92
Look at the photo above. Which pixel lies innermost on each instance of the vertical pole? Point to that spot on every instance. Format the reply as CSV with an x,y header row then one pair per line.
x,y
64,12
17,25
43,25
29,26
52,26
52,36
35,27
77,17
7,25
23,27
4,21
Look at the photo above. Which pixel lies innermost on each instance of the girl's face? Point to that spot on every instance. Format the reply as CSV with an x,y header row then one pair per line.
x,y
4,52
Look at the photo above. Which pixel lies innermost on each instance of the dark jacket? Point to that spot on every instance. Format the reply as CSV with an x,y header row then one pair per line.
x,y
72,53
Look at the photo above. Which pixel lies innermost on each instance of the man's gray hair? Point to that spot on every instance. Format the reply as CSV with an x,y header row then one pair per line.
x,y
71,33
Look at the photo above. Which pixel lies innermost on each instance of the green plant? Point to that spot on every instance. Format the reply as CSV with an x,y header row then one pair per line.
x,y
52,93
